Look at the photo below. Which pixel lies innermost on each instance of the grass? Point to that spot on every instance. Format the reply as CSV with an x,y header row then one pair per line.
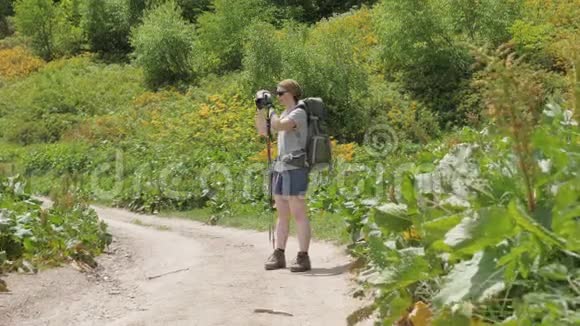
x,y
325,226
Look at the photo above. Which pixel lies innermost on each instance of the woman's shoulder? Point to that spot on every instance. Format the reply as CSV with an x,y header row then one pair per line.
x,y
298,110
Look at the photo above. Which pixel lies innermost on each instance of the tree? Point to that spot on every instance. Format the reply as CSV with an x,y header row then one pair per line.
x,y
68,36
190,9
482,21
53,28
418,49
163,46
6,10
37,20
311,11
105,24
221,33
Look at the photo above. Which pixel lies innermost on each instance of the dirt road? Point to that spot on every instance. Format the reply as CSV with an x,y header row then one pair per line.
x,y
215,276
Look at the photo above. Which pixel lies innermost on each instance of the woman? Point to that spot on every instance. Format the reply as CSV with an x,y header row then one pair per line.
x,y
290,176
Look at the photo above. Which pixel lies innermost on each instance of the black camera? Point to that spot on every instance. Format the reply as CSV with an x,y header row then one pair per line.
x,y
263,99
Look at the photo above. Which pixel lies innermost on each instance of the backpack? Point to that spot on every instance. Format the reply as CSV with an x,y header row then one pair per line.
x,y
318,147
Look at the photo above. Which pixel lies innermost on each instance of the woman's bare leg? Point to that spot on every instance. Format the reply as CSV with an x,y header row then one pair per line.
x,y
283,223
299,210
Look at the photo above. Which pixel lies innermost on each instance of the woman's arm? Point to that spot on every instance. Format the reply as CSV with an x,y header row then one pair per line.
x,y
284,124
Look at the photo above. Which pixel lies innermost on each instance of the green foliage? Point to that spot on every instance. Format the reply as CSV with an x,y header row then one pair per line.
x,y
59,159
502,250
47,105
485,21
421,54
262,59
163,46
31,235
311,11
327,60
52,27
105,24
547,34
6,10
481,224
37,19
221,33
190,9
68,37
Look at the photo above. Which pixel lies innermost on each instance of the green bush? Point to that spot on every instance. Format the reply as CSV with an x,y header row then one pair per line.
x,y
61,158
31,235
479,22
52,28
221,33
190,9
106,25
262,59
6,10
37,19
47,104
329,60
311,11
418,50
163,46
68,38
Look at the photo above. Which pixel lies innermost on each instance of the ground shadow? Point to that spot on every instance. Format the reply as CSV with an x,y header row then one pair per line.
x,y
332,271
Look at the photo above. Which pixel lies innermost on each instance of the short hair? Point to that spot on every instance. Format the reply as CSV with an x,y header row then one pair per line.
x,y
293,87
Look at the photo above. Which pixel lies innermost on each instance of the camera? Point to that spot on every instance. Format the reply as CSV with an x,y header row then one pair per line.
x,y
263,99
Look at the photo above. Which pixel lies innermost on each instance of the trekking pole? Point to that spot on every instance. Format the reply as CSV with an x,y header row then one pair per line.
x,y
264,102
271,231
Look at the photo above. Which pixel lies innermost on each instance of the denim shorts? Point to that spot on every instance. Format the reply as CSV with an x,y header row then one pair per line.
x,y
290,182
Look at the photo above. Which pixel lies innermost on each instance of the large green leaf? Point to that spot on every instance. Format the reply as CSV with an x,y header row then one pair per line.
x,y
392,217
474,280
411,268
487,228
526,222
565,213
436,229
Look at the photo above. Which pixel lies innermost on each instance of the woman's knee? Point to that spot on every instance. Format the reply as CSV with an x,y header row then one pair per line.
x,y
298,206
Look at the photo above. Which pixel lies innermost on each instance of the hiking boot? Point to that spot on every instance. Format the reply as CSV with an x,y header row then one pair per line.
x,y
301,263
276,261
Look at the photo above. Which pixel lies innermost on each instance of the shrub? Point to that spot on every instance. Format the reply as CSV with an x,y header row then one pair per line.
x,y
6,10
190,9
480,22
15,40
37,19
68,37
221,33
311,11
31,234
163,46
18,62
337,51
330,60
52,28
45,105
262,59
106,26
421,55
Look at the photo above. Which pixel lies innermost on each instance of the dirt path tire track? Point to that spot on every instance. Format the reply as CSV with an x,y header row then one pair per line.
x,y
218,279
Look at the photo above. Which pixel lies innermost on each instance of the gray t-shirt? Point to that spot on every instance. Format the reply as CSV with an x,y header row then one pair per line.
x,y
292,140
